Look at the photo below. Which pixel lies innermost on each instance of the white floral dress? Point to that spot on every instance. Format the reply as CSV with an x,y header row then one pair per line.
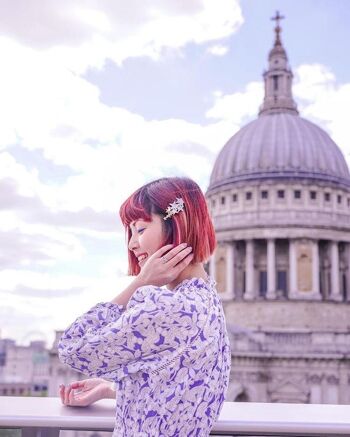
x,y
168,352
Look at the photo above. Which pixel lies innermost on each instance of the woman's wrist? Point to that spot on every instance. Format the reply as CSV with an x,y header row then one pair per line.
x,y
110,392
124,297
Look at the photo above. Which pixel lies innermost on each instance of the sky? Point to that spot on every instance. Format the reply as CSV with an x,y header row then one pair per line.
x,y
99,97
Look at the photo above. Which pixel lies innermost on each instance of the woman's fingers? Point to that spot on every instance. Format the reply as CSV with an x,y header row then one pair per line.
x,y
75,394
179,256
183,264
176,250
67,394
163,250
170,253
78,384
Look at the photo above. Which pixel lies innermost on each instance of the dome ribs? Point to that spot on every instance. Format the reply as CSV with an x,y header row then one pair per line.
x,y
280,145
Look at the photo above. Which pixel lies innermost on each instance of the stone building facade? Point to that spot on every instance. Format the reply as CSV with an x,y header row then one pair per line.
x,y
279,195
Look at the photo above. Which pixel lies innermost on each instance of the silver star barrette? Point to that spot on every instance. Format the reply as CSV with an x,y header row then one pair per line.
x,y
174,207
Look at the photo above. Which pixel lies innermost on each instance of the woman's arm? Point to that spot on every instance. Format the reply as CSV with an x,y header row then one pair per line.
x,y
111,340
124,297
111,343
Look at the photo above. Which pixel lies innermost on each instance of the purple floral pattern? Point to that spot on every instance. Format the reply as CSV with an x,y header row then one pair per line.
x,y
167,351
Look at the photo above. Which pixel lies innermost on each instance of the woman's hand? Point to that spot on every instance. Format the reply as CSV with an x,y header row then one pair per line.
x,y
85,392
157,272
161,268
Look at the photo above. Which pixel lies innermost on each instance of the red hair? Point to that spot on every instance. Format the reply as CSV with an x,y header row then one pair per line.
x,y
193,225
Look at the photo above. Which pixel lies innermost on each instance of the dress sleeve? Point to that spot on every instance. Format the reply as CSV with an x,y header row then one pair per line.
x,y
111,342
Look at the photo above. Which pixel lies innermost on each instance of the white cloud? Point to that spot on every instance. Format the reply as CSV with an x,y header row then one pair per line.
x,y
83,34
218,50
237,107
325,101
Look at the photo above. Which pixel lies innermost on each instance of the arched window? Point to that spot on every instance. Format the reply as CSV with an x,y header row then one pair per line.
x,y
242,397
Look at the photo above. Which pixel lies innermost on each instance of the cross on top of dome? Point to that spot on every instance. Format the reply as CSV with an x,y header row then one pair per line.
x,y
277,18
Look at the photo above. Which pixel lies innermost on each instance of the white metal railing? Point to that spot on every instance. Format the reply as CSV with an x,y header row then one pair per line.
x,y
45,417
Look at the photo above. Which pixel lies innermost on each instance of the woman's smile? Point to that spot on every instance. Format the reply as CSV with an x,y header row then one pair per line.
x,y
142,258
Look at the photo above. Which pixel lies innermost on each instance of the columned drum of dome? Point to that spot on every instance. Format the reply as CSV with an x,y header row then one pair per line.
x,y
279,194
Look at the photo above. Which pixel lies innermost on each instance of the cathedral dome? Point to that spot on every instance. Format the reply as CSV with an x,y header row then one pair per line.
x,y
280,145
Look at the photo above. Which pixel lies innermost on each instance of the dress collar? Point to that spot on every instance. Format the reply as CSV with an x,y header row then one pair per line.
x,y
208,283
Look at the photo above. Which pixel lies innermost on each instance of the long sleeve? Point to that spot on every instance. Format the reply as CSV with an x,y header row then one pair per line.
x,y
112,342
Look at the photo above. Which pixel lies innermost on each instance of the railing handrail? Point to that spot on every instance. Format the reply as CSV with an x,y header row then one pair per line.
x,y
243,418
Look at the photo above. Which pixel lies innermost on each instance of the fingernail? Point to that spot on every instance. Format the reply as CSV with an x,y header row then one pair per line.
x,y
184,244
189,247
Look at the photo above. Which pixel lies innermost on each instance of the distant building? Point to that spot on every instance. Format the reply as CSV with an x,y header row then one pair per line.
x,y
33,370
279,195
23,369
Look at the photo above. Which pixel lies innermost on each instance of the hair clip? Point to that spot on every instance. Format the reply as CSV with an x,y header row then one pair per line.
x,y
174,207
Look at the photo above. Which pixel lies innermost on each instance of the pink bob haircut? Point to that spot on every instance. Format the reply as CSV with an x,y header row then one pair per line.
x,y
193,225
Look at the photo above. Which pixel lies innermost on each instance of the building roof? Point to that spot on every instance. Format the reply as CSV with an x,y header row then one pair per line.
x,y
279,144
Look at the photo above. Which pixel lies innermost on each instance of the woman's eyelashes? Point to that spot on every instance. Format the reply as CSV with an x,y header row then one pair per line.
x,y
140,231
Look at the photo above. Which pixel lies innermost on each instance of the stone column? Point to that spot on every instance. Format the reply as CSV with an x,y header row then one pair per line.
x,y
212,267
315,390
271,269
348,272
343,384
230,266
292,269
335,285
249,270
316,269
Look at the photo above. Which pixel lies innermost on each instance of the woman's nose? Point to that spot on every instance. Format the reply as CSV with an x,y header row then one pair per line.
x,y
133,244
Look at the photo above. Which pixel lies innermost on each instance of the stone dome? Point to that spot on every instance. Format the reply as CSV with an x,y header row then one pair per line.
x,y
280,145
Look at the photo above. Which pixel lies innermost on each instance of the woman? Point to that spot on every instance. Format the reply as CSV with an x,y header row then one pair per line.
x,y
163,351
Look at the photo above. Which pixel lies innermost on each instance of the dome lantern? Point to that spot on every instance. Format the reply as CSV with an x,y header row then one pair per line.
x,y
278,78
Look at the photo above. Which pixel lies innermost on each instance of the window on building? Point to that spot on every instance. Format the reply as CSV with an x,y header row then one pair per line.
x,y
344,286
248,195
280,194
313,195
348,202
223,199
213,203
282,281
263,283
242,397
275,82
327,197
339,197
234,197
297,194
264,194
